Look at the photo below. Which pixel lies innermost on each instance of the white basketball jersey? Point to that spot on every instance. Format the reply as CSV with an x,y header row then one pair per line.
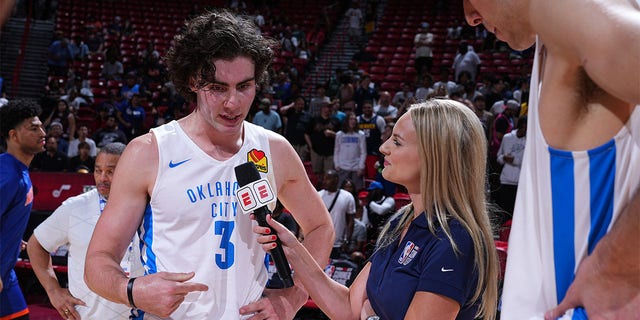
x,y
567,201
194,223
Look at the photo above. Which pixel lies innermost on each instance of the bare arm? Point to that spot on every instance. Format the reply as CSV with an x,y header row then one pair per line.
x,y
60,298
298,195
159,293
601,35
283,110
307,138
6,9
119,220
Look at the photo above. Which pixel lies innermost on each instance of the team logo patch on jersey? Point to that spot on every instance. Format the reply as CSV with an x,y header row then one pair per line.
x,y
259,158
409,252
29,198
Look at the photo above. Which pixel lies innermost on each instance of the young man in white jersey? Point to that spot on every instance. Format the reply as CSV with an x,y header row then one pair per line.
x,y
177,185
72,224
573,250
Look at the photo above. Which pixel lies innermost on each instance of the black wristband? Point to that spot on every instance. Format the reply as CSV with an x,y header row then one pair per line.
x,y
130,292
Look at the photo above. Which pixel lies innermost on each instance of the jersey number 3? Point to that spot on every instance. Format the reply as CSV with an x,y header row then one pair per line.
x,y
224,229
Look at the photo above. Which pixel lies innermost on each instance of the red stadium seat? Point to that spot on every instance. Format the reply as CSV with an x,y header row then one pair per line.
x,y
393,71
377,70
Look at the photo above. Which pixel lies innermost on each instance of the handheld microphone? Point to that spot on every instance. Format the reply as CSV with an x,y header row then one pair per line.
x,y
254,194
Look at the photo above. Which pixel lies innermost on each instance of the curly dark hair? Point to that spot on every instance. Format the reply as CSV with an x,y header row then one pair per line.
x,y
16,111
211,36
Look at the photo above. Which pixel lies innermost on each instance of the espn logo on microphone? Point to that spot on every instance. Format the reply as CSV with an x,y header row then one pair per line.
x,y
255,195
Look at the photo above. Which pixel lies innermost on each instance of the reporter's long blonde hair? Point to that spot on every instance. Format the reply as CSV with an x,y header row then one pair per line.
x,y
453,153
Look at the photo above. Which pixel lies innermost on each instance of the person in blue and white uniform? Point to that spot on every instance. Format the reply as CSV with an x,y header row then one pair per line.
x,y
176,185
22,130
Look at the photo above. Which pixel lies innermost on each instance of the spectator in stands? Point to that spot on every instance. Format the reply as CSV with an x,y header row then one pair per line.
x,y
510,156
424,53
495,91
72,224
296,119
112,68
346,92
82,162
348,185
372,125
424,88
317,100
56,130
385,109
148,51
24,136
364,91
333,84
470,91
79,94
455,30
321,137
486,117
342,208
153,72
62,114
336,111
445,80
466,60
521,92
110,105
282,87
356,20
403,96
350,152
109,133
115,27
59,57
267,118
505,122
82,136
370,18
445,227
79,49
358,239
130,86
127,28
286,43
377,208
50,160
131,117
95,41
259,20
52,95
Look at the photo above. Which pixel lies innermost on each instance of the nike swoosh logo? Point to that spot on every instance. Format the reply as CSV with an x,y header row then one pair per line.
x,y
173,165
446,270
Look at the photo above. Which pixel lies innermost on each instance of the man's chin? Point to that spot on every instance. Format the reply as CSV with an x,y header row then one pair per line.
x,y
521,43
